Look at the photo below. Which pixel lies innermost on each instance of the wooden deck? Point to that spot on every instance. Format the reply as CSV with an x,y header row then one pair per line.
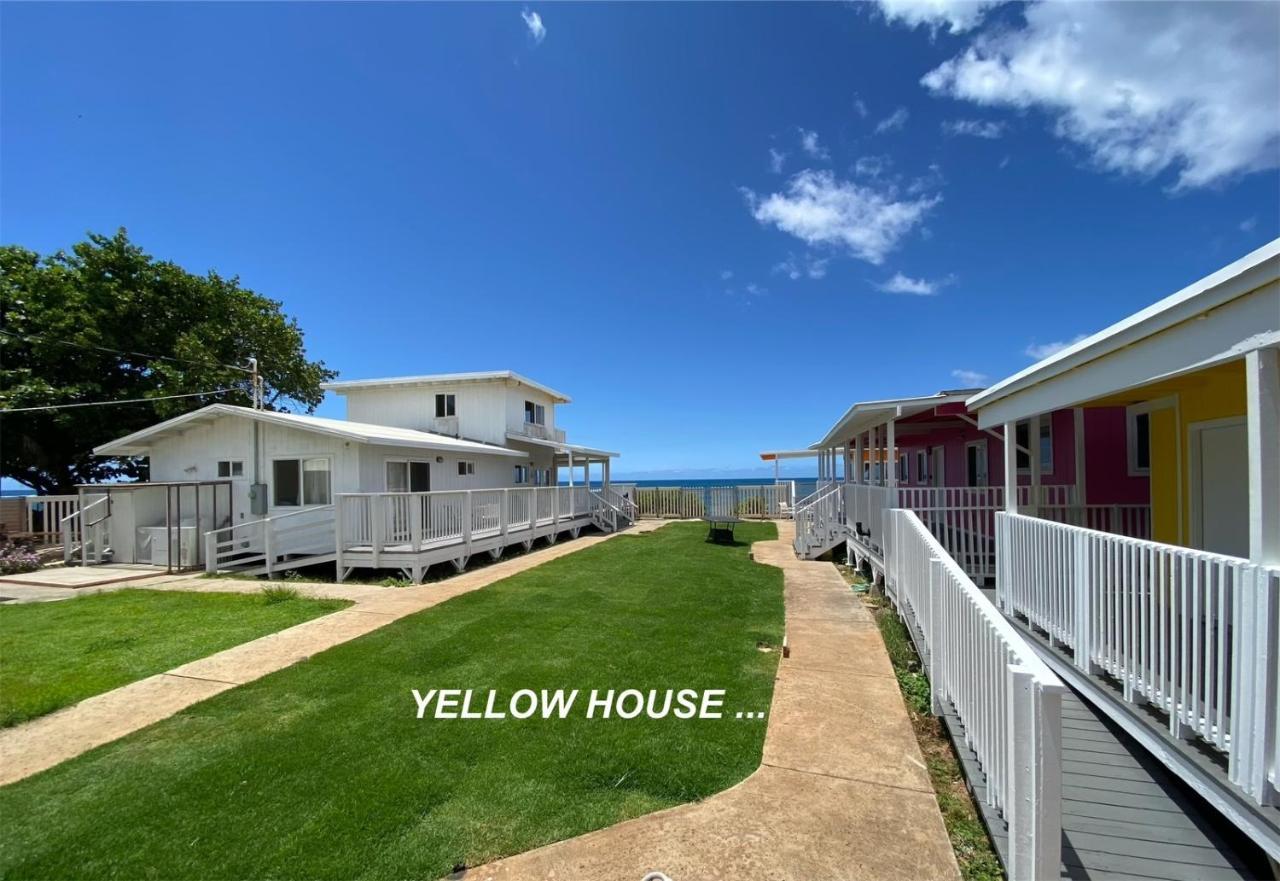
x,y
1125,816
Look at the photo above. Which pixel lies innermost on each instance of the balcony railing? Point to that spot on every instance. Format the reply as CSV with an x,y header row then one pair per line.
x,y
540,432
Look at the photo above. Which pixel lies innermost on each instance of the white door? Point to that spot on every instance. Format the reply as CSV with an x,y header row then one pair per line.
x,y
1220,487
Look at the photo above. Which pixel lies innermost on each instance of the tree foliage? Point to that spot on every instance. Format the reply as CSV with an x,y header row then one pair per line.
x,y
65,319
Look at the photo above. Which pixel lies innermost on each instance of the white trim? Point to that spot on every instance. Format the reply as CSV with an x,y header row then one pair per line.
x,y
343,386
361,432
302,491
986,462
407,460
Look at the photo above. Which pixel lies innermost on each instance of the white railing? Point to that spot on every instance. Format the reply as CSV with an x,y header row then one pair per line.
x,y
864,507
690,502
1007,699
270,542
820,522
89,527
625,504
541,432
1190,632
963,518
52,510
418,521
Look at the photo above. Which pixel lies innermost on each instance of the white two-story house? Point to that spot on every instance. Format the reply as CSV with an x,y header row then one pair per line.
x,y
226,467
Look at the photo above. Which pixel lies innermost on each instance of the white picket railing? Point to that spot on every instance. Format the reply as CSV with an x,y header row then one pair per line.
x,y
51,511
820,522
1009,702
690,502
86,530
963,518
270,542
1190,632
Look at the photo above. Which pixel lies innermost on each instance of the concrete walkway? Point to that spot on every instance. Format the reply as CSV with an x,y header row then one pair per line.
x,y
44,742
842,792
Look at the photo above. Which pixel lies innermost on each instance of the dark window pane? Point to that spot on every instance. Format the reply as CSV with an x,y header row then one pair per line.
x,y
419,477
1023,433
1142,440
286,481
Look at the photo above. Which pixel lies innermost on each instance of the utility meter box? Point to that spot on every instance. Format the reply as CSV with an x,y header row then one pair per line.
x,y
258,499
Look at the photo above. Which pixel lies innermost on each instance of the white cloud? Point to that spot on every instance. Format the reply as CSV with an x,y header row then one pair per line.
x,y
893,122
872,166
971,378
860,107
977,128
1249,224
957,16
776,160
811,145
1143,87
903,284
1040,351
796,268
755,290
533,21
726,274
820,209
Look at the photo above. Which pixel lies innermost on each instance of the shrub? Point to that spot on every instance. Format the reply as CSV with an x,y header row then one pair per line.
x,y
16,558
276,593
753,506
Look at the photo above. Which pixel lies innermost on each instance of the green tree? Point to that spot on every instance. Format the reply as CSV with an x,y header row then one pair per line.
x,y
65,318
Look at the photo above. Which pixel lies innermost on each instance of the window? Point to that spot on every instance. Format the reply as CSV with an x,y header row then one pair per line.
x,y
922,466
903,474
407,475
445,406
521,474
535,414
300,482
465,469
1046,445
231,468
1139,438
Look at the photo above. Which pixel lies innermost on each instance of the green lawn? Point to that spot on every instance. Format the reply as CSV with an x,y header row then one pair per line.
x,y
55,654
322,771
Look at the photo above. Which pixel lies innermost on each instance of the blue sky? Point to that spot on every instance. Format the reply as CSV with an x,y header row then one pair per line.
x,y
715,226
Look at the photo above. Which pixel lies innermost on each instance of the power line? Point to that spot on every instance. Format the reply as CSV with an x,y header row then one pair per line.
x,y
91,347
112,403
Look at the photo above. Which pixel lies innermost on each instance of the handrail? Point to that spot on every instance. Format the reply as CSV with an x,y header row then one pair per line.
x,y
1007,699
1190,632
273,517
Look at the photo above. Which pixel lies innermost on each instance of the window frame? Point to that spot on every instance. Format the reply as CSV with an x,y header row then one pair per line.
x,y
466,468
520,475
922,466
1046,425
301,459
409,462
534,413
448,403
1131,412
231,471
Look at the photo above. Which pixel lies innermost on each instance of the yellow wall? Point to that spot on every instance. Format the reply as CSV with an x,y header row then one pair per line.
x,y
1215,393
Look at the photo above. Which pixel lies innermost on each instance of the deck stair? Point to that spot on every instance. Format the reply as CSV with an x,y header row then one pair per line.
x,y
819,520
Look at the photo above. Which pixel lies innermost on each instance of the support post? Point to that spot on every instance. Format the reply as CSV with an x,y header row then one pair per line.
x,y
892,453
1262,392
937,578
339,536
1033,460
1011,467
466,520
1078,424
1034,808
859,454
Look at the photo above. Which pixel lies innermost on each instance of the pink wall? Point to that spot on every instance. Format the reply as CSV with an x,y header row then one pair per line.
x,y
1106,456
